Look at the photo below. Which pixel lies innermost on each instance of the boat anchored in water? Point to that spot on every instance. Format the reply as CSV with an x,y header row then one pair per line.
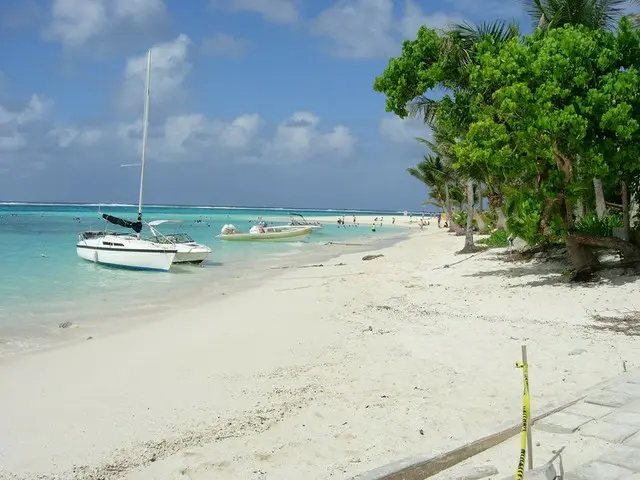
x,y
188,250
126,249
262,232
298,220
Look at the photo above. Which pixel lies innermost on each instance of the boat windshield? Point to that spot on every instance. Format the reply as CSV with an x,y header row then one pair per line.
x,y
174,238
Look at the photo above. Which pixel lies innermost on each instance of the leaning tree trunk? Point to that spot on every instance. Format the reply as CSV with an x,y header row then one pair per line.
x,y
469,246
479,195
601,206
585,261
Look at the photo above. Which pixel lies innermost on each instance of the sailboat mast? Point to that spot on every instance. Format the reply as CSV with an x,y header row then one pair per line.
x,y
145,124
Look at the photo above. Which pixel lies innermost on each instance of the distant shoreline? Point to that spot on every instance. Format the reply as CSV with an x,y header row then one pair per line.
x,y
213,207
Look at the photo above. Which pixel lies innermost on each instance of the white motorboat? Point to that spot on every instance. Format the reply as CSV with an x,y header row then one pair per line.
x,y
298,220
263,233
128,250
189,251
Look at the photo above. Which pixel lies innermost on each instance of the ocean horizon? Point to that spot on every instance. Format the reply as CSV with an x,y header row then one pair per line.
x,y
44,284
219,207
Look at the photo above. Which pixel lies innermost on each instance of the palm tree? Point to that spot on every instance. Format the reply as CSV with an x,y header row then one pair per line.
x,y
437,176
457,45
595,14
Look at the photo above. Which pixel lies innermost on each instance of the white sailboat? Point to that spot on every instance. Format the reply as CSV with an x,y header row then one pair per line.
x,y
128,250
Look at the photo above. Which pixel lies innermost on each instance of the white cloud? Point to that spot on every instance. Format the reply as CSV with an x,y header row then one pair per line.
x,y
169,68
14,125
414,18
75,22
276,11
64,137
223,45
175,133
369,28
358,29
298,138
398,130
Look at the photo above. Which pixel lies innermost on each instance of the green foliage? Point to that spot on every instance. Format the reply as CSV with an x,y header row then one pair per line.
x,y
490,219
525,212
532,119
498,239
460,218
592,225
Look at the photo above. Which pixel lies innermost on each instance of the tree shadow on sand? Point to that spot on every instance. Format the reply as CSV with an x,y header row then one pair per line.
x,y
550,268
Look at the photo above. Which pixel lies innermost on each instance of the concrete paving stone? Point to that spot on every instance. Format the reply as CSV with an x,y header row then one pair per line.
x,y
588,410
608,398
632,406
476,473
621,417
598,471
609,432
623,456
546,472
562,422
631,389
633,441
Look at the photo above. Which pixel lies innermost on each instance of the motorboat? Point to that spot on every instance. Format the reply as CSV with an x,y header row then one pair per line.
x,y
188,250
298,220
128,250
262,232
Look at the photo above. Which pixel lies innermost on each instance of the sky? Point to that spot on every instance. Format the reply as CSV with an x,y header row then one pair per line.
x,y
253,102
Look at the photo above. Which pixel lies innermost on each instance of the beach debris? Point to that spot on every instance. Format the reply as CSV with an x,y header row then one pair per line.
x,y
89,337
577,351
372,257
421,431
66,324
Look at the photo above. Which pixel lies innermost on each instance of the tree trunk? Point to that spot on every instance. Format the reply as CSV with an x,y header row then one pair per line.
x,y
626,221
502,219
469,246
482,227
578,211
584,259
601,206
449,209
479,195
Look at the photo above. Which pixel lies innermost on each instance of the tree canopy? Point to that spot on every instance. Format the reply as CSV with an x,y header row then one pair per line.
x,y
534,119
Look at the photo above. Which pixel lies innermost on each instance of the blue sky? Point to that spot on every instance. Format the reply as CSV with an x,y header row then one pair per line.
x,y
254,102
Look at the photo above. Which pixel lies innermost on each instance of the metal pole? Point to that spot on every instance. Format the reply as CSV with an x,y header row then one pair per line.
x,y
145,122
529,436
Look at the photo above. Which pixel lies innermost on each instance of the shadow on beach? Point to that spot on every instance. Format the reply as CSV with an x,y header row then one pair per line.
x,y
554,271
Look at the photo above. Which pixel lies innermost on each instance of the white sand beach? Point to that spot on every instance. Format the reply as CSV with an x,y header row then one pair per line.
x,y
315,373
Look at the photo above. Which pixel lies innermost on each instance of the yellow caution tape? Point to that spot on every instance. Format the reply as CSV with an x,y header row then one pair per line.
x,y
526,411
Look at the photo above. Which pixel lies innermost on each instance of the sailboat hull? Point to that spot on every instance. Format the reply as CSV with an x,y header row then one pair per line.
x,y
126,252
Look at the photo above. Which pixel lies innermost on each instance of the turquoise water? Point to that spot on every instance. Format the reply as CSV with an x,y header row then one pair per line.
x,y
44,283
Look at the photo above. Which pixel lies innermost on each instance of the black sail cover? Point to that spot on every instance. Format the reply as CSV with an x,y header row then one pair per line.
x,y
135,226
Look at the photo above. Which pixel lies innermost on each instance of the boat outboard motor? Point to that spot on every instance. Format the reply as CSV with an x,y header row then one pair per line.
x,y
228,229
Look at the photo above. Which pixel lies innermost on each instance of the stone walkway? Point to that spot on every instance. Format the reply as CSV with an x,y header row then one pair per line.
x,y
611,415
600,435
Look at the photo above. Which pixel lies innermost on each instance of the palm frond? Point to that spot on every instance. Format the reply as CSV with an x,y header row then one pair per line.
x,y
595,14
424,108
